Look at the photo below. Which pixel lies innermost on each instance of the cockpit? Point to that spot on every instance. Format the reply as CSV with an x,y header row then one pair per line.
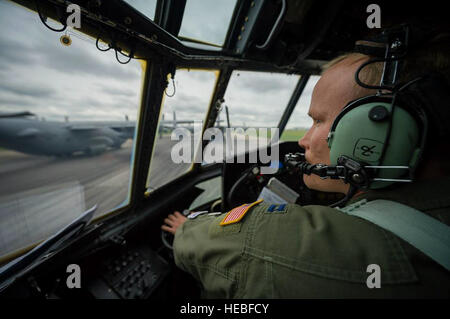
x,y
115,113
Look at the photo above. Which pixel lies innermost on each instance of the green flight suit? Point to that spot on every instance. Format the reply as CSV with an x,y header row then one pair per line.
x,y
313,251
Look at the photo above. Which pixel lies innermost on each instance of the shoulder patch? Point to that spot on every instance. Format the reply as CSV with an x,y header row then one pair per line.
x,y
236,214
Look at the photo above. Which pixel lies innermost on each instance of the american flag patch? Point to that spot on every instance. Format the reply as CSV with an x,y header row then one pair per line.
x,y
237,213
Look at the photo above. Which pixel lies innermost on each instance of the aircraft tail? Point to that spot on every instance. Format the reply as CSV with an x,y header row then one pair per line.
x,y
228,116
174,119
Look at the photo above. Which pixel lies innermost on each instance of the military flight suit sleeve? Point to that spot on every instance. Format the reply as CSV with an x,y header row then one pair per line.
x,y
210,253
291,252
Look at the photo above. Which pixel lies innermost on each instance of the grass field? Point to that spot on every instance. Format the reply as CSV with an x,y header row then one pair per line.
x,y
292,135
288,135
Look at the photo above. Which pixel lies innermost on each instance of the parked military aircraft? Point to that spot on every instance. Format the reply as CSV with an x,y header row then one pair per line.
x,y
23,132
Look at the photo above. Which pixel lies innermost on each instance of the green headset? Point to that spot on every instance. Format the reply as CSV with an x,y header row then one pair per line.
x,y
380,138
381,134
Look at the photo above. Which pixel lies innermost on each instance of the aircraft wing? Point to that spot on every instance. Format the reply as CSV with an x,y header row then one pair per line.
x,y
119,126
125,128
168,122
16,114
244,127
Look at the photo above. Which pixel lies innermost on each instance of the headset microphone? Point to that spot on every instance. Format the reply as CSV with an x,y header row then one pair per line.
x,y
348,170
297,163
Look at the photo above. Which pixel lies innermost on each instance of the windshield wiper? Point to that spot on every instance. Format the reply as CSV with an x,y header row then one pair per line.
x,y
16,268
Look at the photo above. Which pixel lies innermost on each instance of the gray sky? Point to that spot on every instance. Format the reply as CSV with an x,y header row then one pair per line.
x,y
39,74
207,20
146,7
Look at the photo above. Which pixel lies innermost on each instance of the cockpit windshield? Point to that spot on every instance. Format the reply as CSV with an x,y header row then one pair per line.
x,y
75,147
184,108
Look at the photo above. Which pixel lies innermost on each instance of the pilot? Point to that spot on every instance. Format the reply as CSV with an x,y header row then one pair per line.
x,y
262,250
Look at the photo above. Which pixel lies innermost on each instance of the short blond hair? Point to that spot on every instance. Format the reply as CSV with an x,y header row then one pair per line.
x,y
434,56
431,57
371,74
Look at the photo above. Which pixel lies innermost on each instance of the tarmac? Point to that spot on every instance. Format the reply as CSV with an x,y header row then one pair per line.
x,y
39,195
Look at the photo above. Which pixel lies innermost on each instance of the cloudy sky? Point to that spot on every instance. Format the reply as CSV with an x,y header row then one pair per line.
x,y
39,74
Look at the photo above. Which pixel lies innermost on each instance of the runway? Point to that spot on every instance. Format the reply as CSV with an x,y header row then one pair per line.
x,y
38,195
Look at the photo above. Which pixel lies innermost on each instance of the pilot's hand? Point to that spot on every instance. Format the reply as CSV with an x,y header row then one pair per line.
x,y
173,221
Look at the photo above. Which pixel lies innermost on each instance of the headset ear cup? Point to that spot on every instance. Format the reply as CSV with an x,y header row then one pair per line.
x,y
361,132
350,106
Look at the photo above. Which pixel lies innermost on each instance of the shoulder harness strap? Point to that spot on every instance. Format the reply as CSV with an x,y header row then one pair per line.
x,y
427,234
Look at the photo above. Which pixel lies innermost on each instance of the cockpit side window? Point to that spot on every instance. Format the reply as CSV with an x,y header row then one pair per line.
x,y
68,117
